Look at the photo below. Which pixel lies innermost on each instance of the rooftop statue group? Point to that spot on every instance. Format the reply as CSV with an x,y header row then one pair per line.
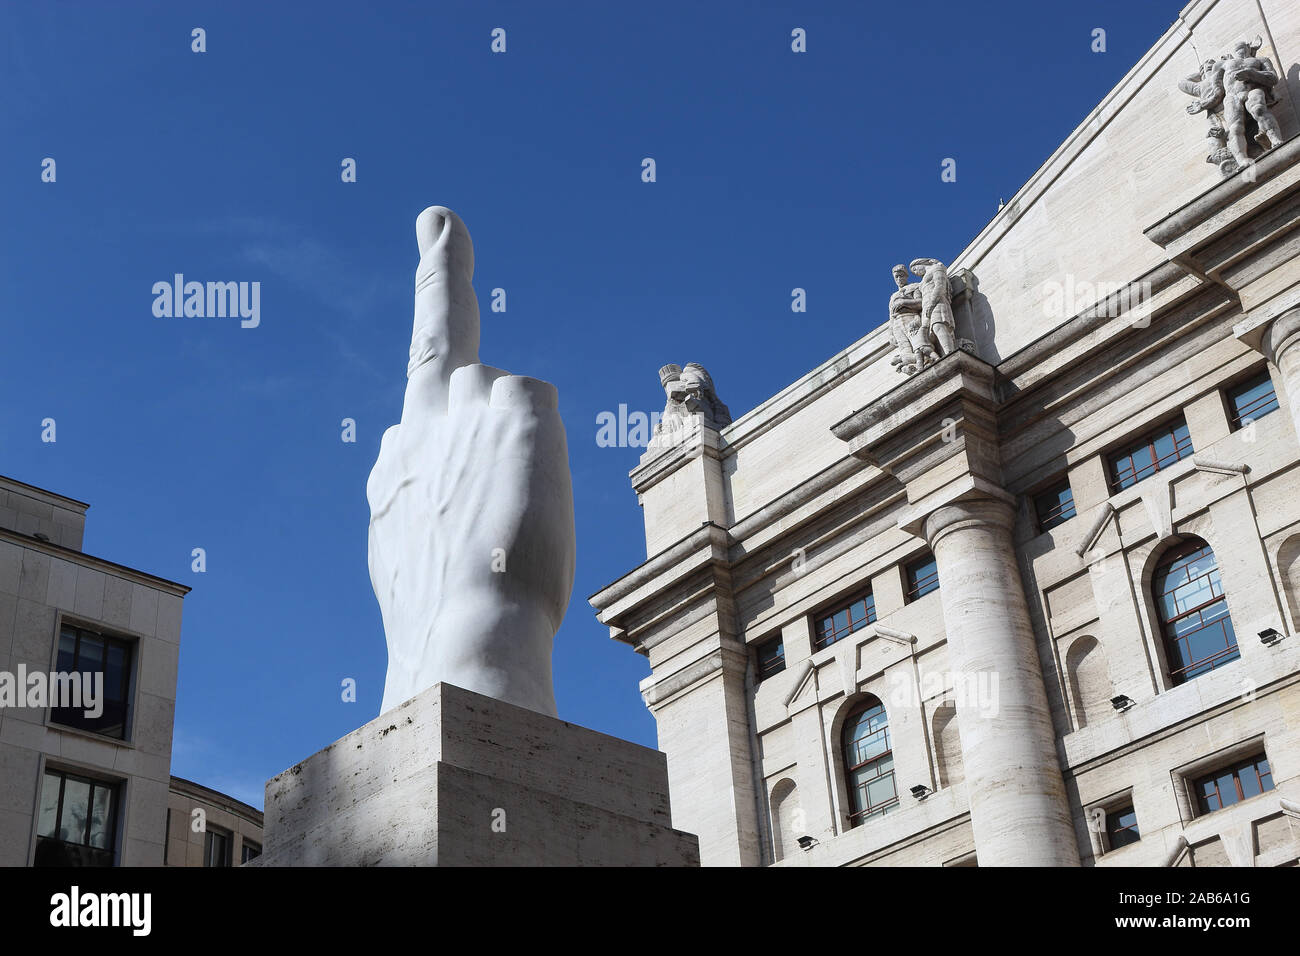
x,y
1235,92
921,322
690,393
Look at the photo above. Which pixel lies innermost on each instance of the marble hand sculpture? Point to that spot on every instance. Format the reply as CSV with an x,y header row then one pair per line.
x,y
472,542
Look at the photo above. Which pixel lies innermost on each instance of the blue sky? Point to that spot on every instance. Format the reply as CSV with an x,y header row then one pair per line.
x,y
775,170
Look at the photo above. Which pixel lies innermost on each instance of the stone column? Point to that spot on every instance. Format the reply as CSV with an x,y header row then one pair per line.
x,y
1280,345
937,435
1018,805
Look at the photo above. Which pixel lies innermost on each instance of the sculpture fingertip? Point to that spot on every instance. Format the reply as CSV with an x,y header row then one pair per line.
x,y
431,225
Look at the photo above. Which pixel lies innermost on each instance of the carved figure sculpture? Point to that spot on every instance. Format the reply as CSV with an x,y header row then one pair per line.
x,y
472,542
921,323
1207,86
690,392
1236,92
936,304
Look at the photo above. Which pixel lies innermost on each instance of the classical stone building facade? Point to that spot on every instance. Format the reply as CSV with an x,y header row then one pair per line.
x,y
208,828
1025,591
78,789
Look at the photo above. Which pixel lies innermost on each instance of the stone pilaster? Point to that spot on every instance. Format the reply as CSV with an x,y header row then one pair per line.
x,y
703,722
937,434
678,610
679,484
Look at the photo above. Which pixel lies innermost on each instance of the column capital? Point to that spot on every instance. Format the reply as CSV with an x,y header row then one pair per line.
x,y
1280,335
937,434
993,511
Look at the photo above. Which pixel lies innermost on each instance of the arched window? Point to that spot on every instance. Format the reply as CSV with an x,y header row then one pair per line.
x,y
1193,612
869,762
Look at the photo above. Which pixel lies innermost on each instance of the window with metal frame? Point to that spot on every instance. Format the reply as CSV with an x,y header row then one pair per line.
x,y
1240,781
1251,400
1193,612
770,655
1054,506
216,847
922,578
1122,827
844,620
77,821
249,851
1154,451
869,762
90,653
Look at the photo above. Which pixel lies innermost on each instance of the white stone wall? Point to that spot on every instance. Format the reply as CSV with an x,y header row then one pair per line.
x,y
42,585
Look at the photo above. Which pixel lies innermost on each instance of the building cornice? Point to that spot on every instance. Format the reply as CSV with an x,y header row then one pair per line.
x,y
89,561
42,494
197,791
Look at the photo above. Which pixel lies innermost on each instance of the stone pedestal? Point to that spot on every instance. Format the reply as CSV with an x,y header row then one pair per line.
x,y
452,778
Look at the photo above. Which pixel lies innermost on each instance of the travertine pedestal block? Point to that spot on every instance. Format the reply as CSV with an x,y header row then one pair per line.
x,y
453,778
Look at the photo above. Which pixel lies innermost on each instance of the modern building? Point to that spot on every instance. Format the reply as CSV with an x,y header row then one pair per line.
x,y
81,785
1037,602
207,828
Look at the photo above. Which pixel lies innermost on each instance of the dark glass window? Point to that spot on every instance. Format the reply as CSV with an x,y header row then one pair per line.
x,y
216,847
922,577
88,653
78,821
1243,780
869,762
771,658
251,851
1251,400
843,621
1054,506
1145,457
1193,612
1122,827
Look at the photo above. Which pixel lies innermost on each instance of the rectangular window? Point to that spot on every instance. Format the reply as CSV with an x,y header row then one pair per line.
x,y
77,825
1142,459
922,577
771,658
1245,779
1122,827
251,851
216,847
88,653
843,621
1054,506
1251,400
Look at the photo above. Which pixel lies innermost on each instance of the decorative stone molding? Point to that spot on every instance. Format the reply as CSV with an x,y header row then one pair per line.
x,y
947,411
1158,502
1220,467
1178,852
801,682
898,637
1236,93
667,687
1104,515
